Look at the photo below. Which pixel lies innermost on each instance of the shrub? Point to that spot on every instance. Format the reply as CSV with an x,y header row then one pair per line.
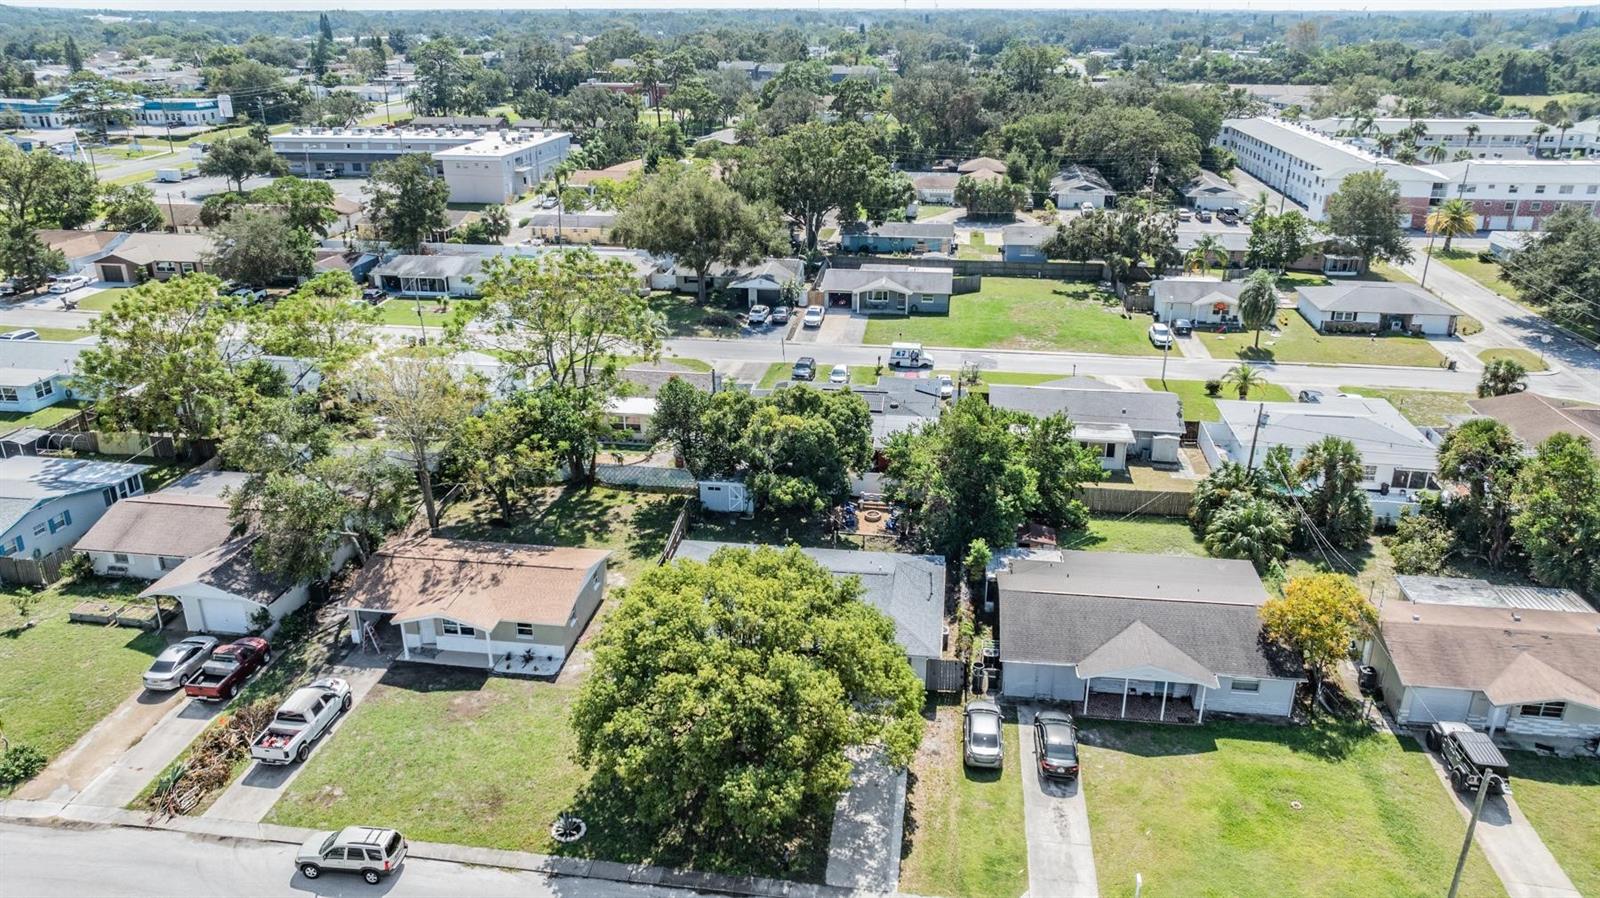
x,y
1467,325
719,319
24,600
1420,544
260,621
1486,256
77,567
19,764
1214,387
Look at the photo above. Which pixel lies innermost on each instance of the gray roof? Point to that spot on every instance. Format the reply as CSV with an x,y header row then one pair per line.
x,y
934,180
781,271
899,403
440,266
1079,177
919,230
908,588
1210,184
1026,235
29,481
600,220
1388,299
1329,156
917,280
1143,411
651,379
228,568
209,484
1483,594
1187,290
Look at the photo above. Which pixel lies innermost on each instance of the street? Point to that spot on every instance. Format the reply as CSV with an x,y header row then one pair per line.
x,y
44,862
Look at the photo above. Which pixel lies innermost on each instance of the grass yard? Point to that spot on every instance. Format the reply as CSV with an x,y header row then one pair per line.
x,y
445,755
1210,811
1424,408
926,211
57,679
1297,341
104,300
1197,406
977,247
62,334
1485,273
1526,358
964,835
687,318
46,417
1141,534
404,311
1558,795
1022,313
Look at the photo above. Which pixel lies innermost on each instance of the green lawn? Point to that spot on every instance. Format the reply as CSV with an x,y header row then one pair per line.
x,y
1485,273
104,300
1558,795
1297,341
1197,406
977,247
966,824
1424,408
404,311
1248,809
47,417
1528,359
57,679
63,334
926,211
687,318
1141,534
1023,313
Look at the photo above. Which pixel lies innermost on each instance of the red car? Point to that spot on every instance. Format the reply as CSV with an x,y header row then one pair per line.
x,y
228,667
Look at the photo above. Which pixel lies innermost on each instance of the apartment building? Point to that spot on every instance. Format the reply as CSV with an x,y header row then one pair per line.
x,y
1517,195
1483,137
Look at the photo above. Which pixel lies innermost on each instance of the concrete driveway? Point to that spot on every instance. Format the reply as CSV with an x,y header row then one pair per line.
x,y
127,776
1060,858
72,772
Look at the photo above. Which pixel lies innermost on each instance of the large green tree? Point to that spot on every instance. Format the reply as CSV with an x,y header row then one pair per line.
x,y
1483,456
502,454
130,207
423,400
406,200
1319,616
726,699
97,104
1335,502
1558,513
817,170
240,158
320,326
1556,269
259,248
1278,241
42,190
1364,215
1253,529
801,445
306,204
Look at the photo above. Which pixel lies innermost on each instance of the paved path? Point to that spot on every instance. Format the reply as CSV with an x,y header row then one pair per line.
x,y
868,825
251,796
1060,859
129,774
127,725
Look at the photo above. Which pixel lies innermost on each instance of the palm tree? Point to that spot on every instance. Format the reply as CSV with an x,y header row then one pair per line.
x,y
1502,376
1205,249
1386,144
497,222
1462,156
1260,205
1435,152
1539,131
1253,529
1472,133
1562,126
1336,504
1243,379
559,174
1406,155
1453,218
1258,300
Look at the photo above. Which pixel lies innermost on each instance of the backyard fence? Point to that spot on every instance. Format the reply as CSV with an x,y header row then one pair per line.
x,y
651,477
1113,500
41,571
680,528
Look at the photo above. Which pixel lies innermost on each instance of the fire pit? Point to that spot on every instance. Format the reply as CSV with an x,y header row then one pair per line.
x,y
873,515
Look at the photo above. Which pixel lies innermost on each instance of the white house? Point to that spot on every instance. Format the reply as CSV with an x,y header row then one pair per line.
x,y
1199,300
149,535
466,603
1522,664
222,589
1360,307
936,187
1117,424
1399,463
47,503
1211,191
1147,637
761,283
1078,184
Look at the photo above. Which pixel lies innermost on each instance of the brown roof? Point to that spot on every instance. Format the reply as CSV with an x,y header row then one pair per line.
x,y
1533,418
1511,655
477,583
143,249
178,526
982,163
585,176
76,244
228,568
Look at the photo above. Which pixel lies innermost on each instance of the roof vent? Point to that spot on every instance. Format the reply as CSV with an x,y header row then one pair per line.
x,y
1516,616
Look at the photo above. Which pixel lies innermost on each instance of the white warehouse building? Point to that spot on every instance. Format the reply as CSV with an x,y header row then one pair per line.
x,y
481,166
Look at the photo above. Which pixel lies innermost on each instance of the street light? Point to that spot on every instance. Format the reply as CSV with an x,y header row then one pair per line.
x,y
1544,340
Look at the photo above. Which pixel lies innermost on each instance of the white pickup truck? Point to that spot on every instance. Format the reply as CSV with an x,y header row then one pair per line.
x,y
301,720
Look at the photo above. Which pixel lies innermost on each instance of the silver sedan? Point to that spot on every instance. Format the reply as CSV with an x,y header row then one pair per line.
x,y
178,663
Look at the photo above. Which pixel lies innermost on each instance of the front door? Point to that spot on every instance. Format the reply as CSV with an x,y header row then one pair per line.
x,y
426,635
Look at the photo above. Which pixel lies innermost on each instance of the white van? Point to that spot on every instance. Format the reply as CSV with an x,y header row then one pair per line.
x,y
909,355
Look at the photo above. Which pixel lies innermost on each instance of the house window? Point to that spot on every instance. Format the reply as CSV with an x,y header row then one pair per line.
x,y
167,562
451,628
1342,316
8,394
1565,189
43,388
11,548
59,521
187,268
1110,450
1369,472
1412,480
1539,189
1510,206
1245,685
109,494
119,558
166,268
1535,207
39,529
1511,189
524,631
1547,710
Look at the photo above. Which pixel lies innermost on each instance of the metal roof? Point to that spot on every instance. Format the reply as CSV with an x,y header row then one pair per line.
x,y
1483,594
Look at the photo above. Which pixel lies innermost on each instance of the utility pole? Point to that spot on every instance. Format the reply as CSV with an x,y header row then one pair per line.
x,y
1466,844
1166,350
1261,412
1461,190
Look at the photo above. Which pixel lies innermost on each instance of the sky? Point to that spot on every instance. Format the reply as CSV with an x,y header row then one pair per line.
x,y
950,5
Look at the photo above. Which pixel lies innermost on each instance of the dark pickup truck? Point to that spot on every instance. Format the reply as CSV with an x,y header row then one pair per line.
x,y
227,669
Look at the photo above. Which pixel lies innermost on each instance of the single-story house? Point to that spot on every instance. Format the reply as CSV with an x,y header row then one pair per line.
x,y
1533,418
648,378
1148,637
762,283
153,256
937,187
982,164
47,503
630,417
898,403
80,248
1525,669
1078,184
585,178
907,588
433,275
572,227
494,606
222,589
24,390
1235,244
1200,300
898,237
147,536
1365,308
1211,191
31,367
1118,424
888,289
1399,462
1025,243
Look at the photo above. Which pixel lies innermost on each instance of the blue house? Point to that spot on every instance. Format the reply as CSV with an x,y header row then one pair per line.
x,y
29,389
898,237
46,504
1024,243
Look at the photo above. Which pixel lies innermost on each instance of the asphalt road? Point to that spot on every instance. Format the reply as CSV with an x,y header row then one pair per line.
x,y
44,862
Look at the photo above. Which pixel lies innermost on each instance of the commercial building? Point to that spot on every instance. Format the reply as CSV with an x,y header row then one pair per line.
x,y
47,112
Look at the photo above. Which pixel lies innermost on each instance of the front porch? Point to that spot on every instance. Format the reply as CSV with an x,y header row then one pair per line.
x,y
508,663
1139,708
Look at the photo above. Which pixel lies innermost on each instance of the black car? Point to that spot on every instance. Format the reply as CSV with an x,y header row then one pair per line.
x,y
1182,327
1055,741
373,296
804,369
1470,757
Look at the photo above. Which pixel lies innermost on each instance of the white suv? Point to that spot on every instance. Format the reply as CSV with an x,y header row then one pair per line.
x,y
368,850
66,283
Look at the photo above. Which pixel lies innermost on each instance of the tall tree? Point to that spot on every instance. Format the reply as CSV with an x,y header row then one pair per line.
x,y
130,207
320,326
501,454
1335,502
1319,616
1558,516
817,170
324,27
423,403
1258,302
442,78
1364,215
260,248
1061,467
97,104
1453,218
1555,269
406,200
240,158
801,446
1278,241
680,422
73,56
42,190
699,221
1484,456
305,204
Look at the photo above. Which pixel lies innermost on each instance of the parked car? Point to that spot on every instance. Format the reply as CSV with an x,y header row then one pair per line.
x,y
228,667
983,743
8,287
250,295
549,202
1182,327
804,369
301,720
1160,336
66,283
1470,756
780,315
1055,741
1202,215
372,851
947,386
22,334
373,296
813,316
759,315
839,375
1228,216
1185,215
178,662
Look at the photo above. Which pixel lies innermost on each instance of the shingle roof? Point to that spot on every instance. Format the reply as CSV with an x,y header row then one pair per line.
x,y
652,379
934,180
441,266
1209,184
1534,418
921,230
1384,299
177,526
1142,411
144,248
916,280
982,163
1187,290
1026,235
228,568
1079,177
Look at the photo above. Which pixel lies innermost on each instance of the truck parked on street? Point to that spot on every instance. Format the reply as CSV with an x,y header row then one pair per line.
x,y
228,668
303,717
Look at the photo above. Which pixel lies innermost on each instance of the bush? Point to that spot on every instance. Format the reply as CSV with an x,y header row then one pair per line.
x,y
260,621
1420,544
1467,325
719,319
1213,387
19,764
24,600
1486,256
77,567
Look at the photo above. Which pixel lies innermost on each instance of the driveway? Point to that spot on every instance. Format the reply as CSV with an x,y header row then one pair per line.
x,y
868,821
1060,859
95,751
129,774
251,796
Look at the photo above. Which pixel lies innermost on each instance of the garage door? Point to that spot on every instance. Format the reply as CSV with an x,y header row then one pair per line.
x,y
225,615
1498,222
1523,223
1428,705
769,297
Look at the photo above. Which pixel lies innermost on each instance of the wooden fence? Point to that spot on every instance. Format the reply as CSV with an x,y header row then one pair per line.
x,y
1112,500
680,527
1063,271
41,571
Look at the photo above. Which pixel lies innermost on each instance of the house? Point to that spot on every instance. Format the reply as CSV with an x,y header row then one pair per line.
x,y
153,256
1524,665
898,237
1399,463
908,588
572,227
408,275
222,590
467,603
762,283
647,379
148,535
1533,418
1200,300
1025,243
896,404
1078,184
1151,637
1368,308
26,390
1211,191
1118,424
936,187
888,289
31,367
47,503
585,178
630,417
80,248
982,164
